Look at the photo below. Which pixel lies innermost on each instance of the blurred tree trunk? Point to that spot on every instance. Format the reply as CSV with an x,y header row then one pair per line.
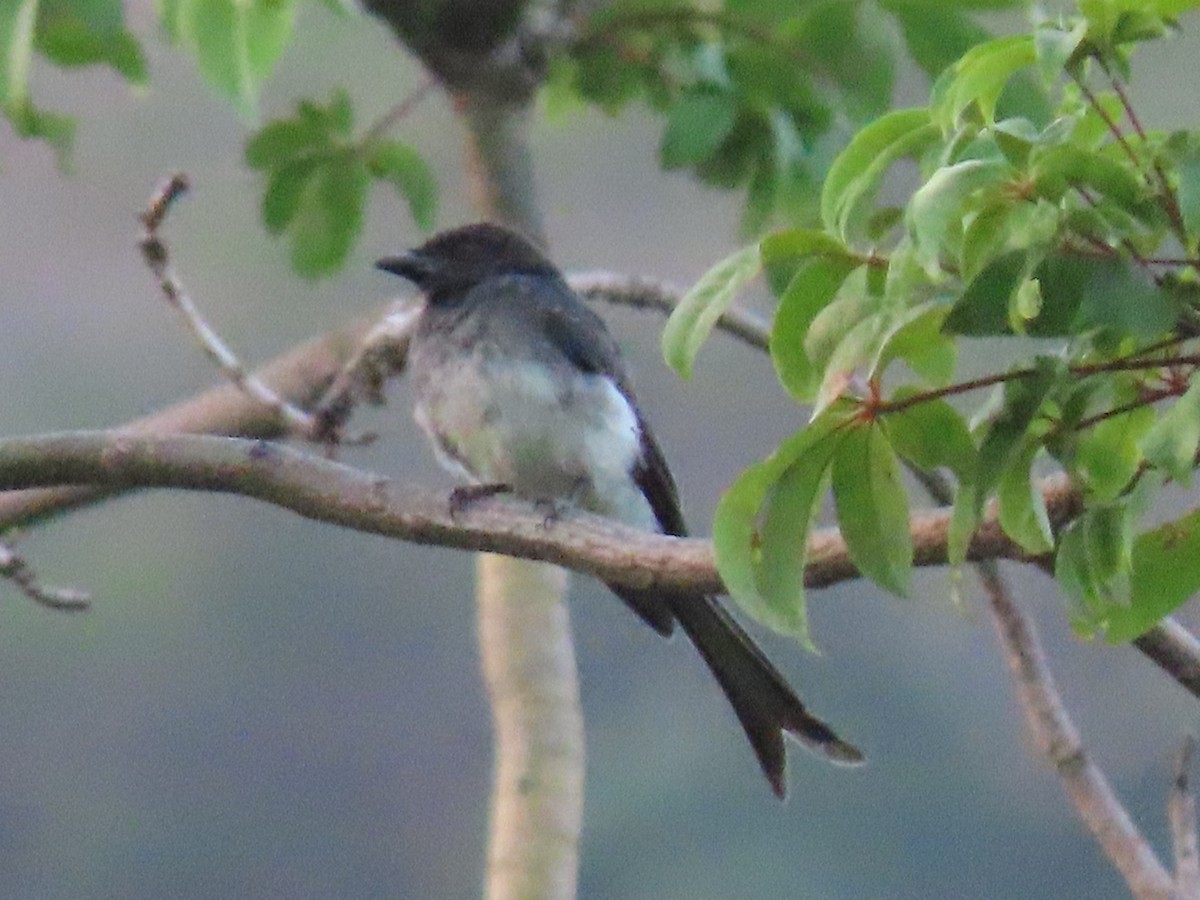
x,y
488,59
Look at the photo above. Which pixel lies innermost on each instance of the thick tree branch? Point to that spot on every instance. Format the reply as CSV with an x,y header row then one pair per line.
x,y
342,495
301,375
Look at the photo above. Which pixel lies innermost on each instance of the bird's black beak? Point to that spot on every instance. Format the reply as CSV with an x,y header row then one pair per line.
x,y
411,265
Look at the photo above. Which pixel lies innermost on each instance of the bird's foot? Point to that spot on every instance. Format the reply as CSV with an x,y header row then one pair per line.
x,y
467,495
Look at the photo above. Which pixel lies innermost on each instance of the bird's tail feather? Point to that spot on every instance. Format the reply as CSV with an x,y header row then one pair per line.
x,y
764,702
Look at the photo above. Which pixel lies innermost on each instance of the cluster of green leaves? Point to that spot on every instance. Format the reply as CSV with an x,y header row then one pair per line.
x,y
69,33
756,94
318,174
1061,225
317,170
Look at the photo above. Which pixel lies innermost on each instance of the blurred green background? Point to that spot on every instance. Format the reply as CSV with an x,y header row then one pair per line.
x,y
259,707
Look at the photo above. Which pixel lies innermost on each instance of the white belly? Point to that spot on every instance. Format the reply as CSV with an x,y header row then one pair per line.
x,y
573,439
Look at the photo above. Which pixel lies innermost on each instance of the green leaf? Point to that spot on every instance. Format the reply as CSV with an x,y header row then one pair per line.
x,y
279,142
1166,573
692,320
406,170
919,339
931,435
1172,441
1056,47
1108,454
1094,564
329,215
1121,298
858,346
979,77
872,507
855,174
1022,507
936,33
982,309
940,204
756,503
236,43
1066,167
784,252
811,290
964,519
785,519
849,46
285,189
17,28
1072,570
1010,429
85,32
697,123
1073,294
1189,194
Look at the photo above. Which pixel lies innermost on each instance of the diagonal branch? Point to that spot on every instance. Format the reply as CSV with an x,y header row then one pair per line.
x,y
1058,740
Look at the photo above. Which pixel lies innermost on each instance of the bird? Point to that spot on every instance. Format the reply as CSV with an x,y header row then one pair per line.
x,y
520,387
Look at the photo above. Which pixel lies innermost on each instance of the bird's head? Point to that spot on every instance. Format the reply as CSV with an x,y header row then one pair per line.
x,y
458,259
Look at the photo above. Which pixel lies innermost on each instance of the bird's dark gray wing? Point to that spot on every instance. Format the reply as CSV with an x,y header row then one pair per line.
x,y
573,329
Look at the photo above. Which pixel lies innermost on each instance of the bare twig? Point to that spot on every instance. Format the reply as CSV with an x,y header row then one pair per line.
x,y
154,252
383,354
1059,742
400,111
662,296
1181,812
14,568
1050,723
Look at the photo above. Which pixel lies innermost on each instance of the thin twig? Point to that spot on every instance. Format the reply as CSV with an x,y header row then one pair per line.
x,y
662,296
154,252
382,354
400,111
14,568
1051,725
1058,740
1181,812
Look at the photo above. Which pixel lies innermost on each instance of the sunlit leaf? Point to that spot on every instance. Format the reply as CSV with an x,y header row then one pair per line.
x,y
855,174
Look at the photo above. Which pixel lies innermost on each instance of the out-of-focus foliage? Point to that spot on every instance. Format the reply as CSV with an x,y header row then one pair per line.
x,y
318,174
1061,219
69,33
755,95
